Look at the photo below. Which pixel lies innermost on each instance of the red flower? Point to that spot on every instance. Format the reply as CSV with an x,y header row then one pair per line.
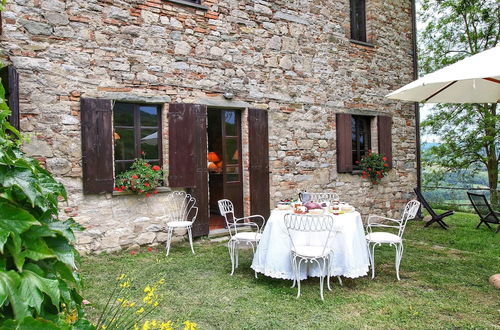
x,y
378,172
133,252
135,177
141,191
155,192
156,168
143,153
146,184
148,194
150,249
117,189
147,165
384,159
386,165
123,187
364,173
369,169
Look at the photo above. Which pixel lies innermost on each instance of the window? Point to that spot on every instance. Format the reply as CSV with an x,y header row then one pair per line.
x,y
358,20
136,131
361,138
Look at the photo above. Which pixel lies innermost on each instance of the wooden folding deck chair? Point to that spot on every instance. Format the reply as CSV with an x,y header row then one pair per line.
x,y
484,210
435,217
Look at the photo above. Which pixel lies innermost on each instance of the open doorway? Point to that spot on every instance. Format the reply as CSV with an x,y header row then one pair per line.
x,y
224,163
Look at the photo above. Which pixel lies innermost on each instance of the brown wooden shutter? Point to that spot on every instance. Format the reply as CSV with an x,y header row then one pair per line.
x,y
10,82
187,144
384,127
182,129
258,141
344,143
97,149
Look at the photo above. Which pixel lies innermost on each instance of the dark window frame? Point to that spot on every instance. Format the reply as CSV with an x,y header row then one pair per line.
x,y
137,133
358,20
360,125
190,3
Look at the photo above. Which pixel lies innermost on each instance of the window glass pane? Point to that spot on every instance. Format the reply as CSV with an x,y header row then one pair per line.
x,y
232,173
121,167
124,143
149,115
230,121
149,143
353,133
232,153
123,114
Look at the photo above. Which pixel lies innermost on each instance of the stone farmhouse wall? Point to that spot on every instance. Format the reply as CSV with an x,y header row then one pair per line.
x,y
291,57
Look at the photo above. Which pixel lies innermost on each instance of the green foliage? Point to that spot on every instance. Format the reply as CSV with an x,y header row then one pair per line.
x,y
374,166
470,133
142,178
38,278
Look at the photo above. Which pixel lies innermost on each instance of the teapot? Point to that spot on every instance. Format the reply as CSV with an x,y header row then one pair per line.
x,y
304,197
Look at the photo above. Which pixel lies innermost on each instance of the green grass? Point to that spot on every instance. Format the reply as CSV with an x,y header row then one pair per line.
x,y
444,284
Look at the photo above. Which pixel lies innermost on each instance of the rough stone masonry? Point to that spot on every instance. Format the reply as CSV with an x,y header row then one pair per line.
x,y
292,57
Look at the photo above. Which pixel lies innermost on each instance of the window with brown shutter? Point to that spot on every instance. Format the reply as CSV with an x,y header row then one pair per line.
x,y
358,20
353,140
137,134
10,82
344,143
97,151
361,138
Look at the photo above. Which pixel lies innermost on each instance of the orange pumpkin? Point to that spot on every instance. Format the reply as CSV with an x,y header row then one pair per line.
x,y
212,157
212,167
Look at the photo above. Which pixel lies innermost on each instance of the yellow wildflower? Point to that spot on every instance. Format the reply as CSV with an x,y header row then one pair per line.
x,y
154,324
125,284
155,304
121,277
136,327
140,310
145,326
162,281
147,289
132,304
166,325
189,325
103,327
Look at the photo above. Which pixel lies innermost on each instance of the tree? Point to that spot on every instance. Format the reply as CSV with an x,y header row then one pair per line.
x,y
470,133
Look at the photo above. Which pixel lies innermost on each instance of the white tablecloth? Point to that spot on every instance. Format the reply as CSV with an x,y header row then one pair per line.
x,y
350,256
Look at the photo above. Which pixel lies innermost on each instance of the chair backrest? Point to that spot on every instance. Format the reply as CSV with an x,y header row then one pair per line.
x,y
410,212
422,200
299,224
180,206
320,197
226,209
480,204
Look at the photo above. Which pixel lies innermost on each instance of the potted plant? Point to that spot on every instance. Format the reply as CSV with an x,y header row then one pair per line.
x,y
374,166
141,178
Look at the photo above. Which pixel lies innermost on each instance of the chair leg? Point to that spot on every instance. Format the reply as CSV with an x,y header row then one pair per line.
x,y
329,273
399,256
294,261
297,275
169,239
231,247
190,239
340,281
371,255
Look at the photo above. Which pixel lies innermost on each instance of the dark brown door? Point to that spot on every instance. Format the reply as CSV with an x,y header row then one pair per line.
x,y
258,139
232,165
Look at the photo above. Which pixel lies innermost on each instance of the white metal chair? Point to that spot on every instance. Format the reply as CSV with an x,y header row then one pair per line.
x,y
181,213
376,238
310,235
238,237
321,197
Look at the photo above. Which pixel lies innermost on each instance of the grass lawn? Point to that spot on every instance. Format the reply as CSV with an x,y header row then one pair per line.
x,y
444,284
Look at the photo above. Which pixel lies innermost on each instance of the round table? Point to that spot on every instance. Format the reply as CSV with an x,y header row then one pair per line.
x,y
350,255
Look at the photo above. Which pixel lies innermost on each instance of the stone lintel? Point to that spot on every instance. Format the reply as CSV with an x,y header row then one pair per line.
x,y
223,103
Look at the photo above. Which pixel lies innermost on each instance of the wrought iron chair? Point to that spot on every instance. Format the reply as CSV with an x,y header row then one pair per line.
x,y
376,238
310,248
486,214
238,237
434,216
181,213
318,197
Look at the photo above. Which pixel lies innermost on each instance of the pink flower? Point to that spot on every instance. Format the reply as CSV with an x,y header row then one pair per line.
x,y
85,302
146,184
133,252
384,159
135,177
148,194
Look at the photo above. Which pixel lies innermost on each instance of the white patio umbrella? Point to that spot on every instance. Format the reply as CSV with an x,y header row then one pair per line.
x,y
475,79
151,138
